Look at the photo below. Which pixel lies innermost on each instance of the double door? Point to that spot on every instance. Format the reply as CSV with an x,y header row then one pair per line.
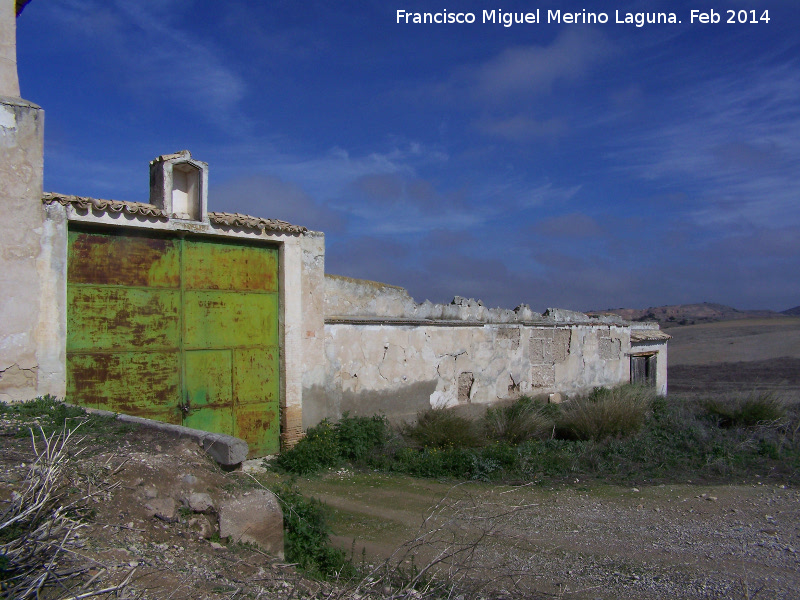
x,y
178,329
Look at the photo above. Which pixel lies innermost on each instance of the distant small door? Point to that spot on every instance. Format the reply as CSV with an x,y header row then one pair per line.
x,y
178,330
643,370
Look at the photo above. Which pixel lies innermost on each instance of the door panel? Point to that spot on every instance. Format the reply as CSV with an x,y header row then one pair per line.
x,y
110,317
215,265
230,319
126,260
143,384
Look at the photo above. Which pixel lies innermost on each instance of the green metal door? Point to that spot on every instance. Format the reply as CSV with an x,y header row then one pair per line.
x,y
179,330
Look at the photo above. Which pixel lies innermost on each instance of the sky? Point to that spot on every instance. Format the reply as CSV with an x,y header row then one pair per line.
x,y
575,165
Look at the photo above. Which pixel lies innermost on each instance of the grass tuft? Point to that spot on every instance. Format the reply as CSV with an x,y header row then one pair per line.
x,y
757,409
524,420
443,428
605,413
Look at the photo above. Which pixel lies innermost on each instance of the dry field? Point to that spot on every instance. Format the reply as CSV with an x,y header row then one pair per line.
x,y
736,357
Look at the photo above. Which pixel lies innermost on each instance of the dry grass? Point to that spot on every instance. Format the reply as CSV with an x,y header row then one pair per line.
x,y
443,428
39,528
526,419
605,413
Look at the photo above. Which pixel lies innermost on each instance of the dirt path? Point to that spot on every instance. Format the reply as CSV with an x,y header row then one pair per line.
x,y
677,541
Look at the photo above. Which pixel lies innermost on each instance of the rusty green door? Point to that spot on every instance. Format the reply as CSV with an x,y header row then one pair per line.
x,y
179,330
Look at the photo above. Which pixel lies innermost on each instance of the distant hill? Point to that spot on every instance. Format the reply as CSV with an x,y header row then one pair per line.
x,y
690,314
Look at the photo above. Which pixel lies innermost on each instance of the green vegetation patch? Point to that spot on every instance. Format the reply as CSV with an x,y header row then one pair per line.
x,y
623,434
307,535
52,415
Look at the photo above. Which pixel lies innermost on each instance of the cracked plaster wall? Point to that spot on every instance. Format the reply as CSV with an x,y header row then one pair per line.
x,y
30,262
386,353
423,366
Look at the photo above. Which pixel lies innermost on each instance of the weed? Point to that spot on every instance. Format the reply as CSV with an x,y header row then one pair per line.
x,y
328,444
318,450
754,410
52,415
622,434
357,437
39,526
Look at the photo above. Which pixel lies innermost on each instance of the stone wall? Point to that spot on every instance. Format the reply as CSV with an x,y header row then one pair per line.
x,y
387,354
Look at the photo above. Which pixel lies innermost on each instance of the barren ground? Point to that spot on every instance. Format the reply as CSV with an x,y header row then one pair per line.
x,y
596,541
166,558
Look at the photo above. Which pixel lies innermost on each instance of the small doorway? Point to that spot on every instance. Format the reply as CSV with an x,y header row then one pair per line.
x,y
643,369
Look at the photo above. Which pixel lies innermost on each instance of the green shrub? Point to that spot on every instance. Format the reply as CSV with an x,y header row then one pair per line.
x,y
443,428
746,412
523,420
318,450
606,412
307,535
328,445
358,437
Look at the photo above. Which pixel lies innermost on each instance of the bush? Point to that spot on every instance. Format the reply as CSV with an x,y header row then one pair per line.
x,y
443,428
307,536
523,420
328,445
318,450
358,437
606,412
747,412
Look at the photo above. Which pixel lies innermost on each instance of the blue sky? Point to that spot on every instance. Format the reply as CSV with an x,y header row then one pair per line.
x,y
571,165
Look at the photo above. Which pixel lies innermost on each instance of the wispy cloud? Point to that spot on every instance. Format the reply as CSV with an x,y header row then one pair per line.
x,y
270,196
151,56
572,225
734,140
524,70
522,128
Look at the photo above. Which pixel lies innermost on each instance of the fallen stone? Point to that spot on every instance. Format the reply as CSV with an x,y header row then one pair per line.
x,y
255,518
162,508
189,479
199,502
225,449
201,526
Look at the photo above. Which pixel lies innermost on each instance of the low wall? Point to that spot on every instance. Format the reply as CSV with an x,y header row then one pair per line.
x,y
387,354
398,369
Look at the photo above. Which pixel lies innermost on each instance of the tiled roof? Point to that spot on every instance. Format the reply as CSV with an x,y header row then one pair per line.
x,y
649,335
239,220
133,208
148,210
